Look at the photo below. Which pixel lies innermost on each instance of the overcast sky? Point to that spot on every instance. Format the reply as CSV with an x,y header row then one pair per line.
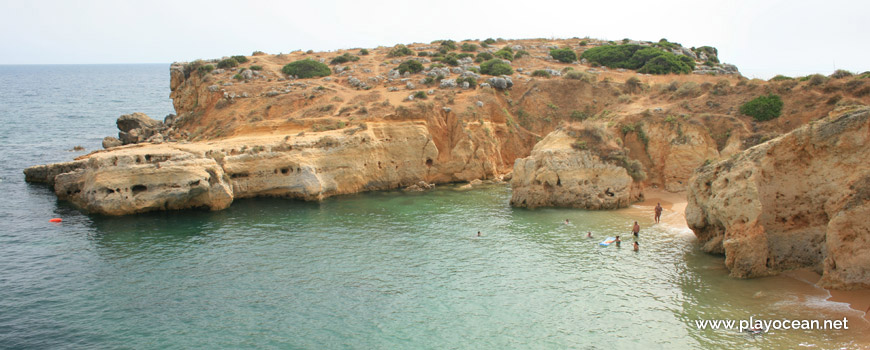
x,y
762,38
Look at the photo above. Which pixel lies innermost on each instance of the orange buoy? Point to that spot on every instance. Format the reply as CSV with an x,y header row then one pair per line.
x,y
55,220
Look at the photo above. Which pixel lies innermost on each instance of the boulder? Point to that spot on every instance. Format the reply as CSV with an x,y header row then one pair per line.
x,y
109,142
137,120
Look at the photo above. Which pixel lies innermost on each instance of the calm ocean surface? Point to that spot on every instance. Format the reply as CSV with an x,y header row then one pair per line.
x,y
385,270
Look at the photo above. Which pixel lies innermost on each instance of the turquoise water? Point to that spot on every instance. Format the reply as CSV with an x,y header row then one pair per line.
x,y
384,270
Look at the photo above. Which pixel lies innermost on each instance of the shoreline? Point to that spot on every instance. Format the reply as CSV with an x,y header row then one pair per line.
x,y
858,301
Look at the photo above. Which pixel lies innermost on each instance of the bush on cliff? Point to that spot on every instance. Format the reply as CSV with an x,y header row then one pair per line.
x,y
643,59
399,51
240,59
346,57
306,68
228,63
469,47
505,53
483,56
412,66
763,107
496,67
565,55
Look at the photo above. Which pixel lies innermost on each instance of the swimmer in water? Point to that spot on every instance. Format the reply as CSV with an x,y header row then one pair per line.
x,y
636,229
636,246
589,234
478,233
617,241
567,222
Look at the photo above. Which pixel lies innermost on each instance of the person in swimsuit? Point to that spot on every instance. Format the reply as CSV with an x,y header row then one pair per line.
x,y
617,241
636,229
658,212
636,246
589,234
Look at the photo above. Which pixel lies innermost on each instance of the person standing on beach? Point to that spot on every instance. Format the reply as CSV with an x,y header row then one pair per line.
x,y
658,212
636,229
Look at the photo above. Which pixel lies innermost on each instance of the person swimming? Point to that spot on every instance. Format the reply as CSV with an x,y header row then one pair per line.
x,y
636,246
617,241
636,229
567,222
478,233
589,234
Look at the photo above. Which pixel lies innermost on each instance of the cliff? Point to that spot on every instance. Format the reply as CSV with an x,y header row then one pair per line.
x,y
242,124
801,200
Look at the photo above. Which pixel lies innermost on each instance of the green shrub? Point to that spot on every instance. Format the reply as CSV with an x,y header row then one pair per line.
x,y
410,66
484,45
643,59
541,73
464,55
258,53
228,63
399,51
256,67
763,107
565,55
240,59
496,67
346,57
363,52
450,60
238,77
815,79
521,54
203,70
711,52
436,65
841,73
422,54
780,77
489,41
420,95
306,68
450,45
474,69
505,53
584,42
468,47
578,75
472,83
483,56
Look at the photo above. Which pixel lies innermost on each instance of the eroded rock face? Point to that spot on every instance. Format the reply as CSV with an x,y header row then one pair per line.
x,y
799,201
557,174
313,166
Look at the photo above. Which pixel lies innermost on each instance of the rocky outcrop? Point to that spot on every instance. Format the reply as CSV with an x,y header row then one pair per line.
x,y
312,166
676,149
799,201
138,127
564,171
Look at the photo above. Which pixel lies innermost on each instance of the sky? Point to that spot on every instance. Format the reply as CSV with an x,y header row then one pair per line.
x,y
763,38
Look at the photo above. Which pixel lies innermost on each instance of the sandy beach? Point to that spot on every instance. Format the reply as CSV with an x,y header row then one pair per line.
x,y
858,301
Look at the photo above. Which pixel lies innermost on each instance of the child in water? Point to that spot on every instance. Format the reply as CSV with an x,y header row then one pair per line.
x,y
617,241
636,246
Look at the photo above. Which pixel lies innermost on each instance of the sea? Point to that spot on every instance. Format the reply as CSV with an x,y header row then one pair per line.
x,y
378,270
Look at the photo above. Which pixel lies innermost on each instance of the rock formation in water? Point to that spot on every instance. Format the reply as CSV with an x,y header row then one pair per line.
x,y
799,201
368,126
567,169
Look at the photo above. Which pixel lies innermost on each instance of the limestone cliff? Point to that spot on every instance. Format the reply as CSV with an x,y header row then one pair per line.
x,y
237,115
799,201
566,169
141,178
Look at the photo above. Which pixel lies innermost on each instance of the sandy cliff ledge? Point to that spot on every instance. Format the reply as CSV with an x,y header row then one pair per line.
x,y
801,200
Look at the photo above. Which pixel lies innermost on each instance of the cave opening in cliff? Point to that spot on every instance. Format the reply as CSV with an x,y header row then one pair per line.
x,y
428,161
